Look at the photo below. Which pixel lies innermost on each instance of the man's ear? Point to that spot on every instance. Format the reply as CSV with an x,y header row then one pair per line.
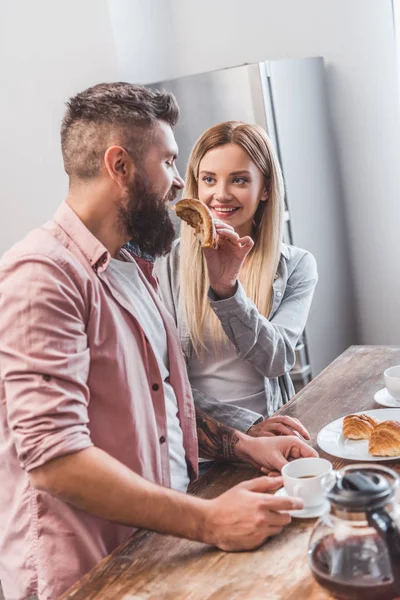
x,y
119,165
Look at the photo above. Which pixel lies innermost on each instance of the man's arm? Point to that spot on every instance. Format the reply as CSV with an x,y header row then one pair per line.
x,y
216,440
94,481
220,442
240,519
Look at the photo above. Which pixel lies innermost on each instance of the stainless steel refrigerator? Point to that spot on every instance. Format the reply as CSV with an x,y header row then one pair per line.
x,y
288,98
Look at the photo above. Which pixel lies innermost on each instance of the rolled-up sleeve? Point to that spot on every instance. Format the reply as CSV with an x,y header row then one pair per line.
x,y
234,416
44,359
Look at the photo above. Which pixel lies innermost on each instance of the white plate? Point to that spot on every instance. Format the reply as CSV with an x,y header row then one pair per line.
x,y
383,397
306,513
330,439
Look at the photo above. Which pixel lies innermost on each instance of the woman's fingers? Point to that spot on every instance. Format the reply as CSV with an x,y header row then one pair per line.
x,y
294,424
281,429
289,423
228,234
221,225
246,241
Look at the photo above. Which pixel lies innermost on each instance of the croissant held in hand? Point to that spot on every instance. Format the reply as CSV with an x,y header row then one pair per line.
x,y
198,215
385,439
358,427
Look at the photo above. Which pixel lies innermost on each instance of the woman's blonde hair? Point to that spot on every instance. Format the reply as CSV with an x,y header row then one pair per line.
x,y
262,263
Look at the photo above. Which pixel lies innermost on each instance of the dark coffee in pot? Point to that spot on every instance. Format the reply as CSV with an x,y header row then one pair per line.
x,y
348,572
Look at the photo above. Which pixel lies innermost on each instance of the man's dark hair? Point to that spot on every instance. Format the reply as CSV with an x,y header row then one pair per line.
x,y
111,113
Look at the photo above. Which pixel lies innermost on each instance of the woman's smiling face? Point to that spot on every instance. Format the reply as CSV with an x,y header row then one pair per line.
x,y
232,186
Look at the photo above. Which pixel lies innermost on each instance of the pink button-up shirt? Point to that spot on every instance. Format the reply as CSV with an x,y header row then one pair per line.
x,y
75,370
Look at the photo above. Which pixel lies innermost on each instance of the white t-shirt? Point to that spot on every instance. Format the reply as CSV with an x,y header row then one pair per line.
x,y
127,278
223,375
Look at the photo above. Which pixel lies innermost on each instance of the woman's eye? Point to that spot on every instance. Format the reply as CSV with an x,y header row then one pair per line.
x,y
208,179
240,180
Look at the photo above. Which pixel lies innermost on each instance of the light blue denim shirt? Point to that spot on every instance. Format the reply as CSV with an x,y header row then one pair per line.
x,y
267,343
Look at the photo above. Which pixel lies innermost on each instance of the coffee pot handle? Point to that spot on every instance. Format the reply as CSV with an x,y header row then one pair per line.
x,y
387,529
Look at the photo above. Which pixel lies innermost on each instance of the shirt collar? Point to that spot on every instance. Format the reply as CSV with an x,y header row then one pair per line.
x,y
286,255
93,250
285,251
135,250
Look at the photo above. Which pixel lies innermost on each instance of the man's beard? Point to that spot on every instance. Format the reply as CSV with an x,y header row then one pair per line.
x,y
145,218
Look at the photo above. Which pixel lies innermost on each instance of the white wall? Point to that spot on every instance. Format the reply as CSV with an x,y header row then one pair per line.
x,y
142,33
49,50
356,38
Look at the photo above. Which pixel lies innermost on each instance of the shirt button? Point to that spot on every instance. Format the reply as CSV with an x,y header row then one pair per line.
x,y
47,377
279,294
155,387
162,439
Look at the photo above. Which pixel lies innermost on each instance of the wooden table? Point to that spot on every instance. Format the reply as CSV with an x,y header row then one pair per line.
x,y
153,566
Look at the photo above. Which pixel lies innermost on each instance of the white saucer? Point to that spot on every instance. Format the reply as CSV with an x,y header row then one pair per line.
x,y
383,397
306,513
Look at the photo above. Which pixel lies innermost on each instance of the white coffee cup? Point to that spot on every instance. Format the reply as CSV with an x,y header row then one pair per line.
x,y
392,381
303,478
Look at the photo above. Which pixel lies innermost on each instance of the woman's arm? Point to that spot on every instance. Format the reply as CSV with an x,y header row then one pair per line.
x,y
236,417
269,345
253,336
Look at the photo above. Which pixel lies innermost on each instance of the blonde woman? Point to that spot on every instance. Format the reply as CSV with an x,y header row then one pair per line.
x,y
241,308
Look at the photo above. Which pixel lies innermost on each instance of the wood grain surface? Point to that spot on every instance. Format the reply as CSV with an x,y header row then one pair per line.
x,y
153,566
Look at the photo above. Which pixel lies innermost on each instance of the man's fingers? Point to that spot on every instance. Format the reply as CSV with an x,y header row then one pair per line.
x,y
277,519
295,453
304,450
282,503
263,484
271,531
296,448
270,473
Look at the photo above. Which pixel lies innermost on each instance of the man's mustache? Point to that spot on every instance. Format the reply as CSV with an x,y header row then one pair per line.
x,y
172,195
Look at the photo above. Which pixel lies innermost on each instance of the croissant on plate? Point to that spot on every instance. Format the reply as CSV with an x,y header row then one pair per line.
x,y
358,427
385,439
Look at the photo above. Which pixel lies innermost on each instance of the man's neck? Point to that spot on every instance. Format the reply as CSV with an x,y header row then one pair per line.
x,y
98,214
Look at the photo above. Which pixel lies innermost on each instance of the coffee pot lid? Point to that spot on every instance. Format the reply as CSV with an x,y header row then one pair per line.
x,y
362,489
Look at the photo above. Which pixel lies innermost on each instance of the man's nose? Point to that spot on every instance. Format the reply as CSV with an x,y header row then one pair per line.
x,y
178,181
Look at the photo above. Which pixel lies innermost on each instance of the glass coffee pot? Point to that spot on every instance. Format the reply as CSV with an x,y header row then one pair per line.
x,y
354,550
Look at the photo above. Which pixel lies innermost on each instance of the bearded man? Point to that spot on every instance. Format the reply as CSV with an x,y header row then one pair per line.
x,y
97,422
